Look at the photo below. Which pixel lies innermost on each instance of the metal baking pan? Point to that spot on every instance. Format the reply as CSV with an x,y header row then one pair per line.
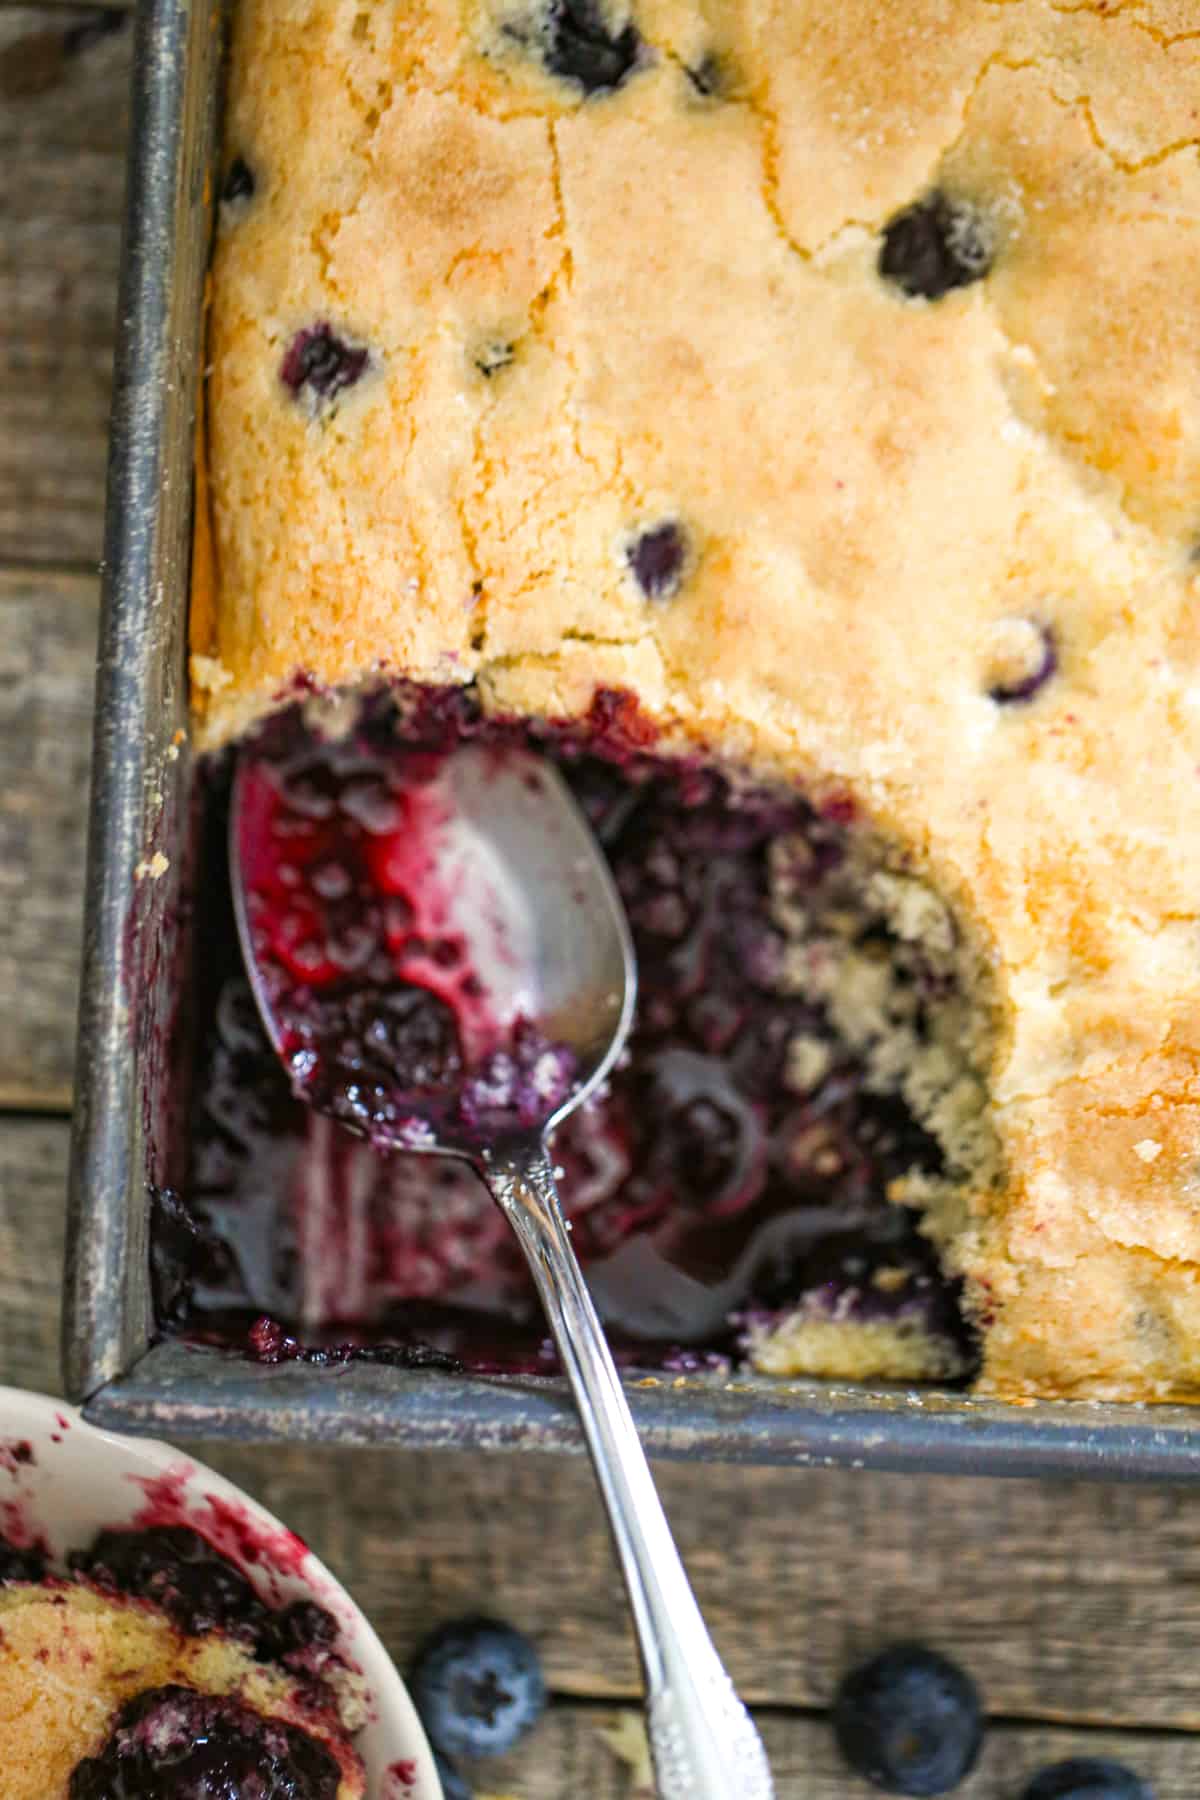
x,y
139,840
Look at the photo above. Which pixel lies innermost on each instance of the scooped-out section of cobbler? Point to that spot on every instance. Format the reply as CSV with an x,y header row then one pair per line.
x,y
800,1112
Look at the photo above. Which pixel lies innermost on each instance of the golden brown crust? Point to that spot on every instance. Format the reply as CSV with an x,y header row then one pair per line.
x,y
70,1659
874,488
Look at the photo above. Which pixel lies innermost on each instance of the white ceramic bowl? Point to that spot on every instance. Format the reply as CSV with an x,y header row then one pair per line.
x,y
77,1480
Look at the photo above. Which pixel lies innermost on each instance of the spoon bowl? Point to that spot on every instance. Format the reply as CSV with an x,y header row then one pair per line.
x,y
512,983
499,857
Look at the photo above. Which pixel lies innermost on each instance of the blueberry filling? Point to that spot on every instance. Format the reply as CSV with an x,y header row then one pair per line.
x,y
372,1049
172,1743
322,364
581,47
741,1160
372,979
200,1590
20,1565
933,246
269,1343
657,558
239,181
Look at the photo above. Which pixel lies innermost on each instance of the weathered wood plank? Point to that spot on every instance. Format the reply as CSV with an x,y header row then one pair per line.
x,y
1067,1602
570,1756
32,1170
47,662
63,127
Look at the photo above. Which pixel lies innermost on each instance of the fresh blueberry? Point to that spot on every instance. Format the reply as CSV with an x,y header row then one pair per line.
x,y
453,1785
657,558
933,246
581,47
239,181
322,363
1087,1778
909,1721
478,1687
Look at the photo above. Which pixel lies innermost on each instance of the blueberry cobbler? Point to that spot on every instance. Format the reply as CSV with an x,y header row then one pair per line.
x,y
787,420
155,1671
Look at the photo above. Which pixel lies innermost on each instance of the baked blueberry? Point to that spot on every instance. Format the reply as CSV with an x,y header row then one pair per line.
x,y
493,356
657,557
172,1743
321,364
708,77
176,1568
478,1686
580,46
1025,657
933,246
909,1720
239,183
1087,1778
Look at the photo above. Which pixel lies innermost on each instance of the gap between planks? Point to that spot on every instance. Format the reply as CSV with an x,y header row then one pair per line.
x,y
571,1754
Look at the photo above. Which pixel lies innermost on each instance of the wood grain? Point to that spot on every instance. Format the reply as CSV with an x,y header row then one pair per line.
x,y
569,1757
33,1155
1070,1603
63,127
47,662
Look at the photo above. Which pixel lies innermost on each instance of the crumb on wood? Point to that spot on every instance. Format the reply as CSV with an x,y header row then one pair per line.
x,y
152,868
626,1738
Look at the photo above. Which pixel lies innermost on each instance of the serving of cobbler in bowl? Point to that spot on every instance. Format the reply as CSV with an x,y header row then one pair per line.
x,y
163,1637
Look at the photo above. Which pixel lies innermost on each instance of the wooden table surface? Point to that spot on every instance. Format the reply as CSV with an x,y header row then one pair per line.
x,y
1076,1607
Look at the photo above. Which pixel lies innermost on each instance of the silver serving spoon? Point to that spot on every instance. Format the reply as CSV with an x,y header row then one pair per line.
x,y
516,835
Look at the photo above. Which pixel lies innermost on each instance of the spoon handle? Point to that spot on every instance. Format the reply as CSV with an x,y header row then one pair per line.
x,y
704,1744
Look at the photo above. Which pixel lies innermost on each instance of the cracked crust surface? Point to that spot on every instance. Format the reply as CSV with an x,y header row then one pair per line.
x,y
70,1659
676,296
